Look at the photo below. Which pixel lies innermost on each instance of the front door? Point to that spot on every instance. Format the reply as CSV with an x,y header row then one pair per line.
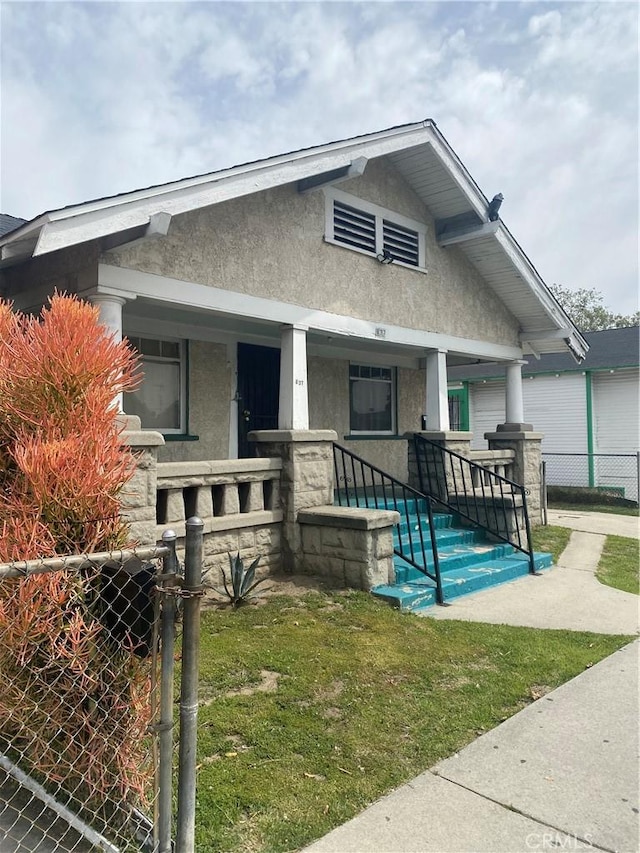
x,y
258,392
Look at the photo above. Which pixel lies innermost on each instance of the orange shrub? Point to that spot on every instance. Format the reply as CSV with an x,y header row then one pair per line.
x,y
74,704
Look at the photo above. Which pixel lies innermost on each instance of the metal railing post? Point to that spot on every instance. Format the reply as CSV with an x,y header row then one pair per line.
x,y
413,551
493,487
165,736
192,592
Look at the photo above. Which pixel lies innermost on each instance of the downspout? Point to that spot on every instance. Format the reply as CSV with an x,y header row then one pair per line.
x,y
589,403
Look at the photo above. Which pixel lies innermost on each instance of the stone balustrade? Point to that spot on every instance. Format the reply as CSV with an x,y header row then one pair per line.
x,y
498,462
237,499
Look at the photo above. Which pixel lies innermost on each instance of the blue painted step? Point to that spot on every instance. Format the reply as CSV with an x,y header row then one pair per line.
x,y
417,594
469,561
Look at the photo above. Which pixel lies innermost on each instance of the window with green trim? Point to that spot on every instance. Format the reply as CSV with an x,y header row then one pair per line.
x,y
372,399
160,400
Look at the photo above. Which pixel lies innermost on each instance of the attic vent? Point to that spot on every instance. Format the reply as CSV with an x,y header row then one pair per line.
x,y
354,227
402,243
376,231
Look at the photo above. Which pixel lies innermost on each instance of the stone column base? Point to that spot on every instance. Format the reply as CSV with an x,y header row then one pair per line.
x,y
307,479
455,440
527,463
138,497
353,547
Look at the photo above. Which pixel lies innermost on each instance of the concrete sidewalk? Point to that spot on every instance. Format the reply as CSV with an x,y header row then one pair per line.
x,y
562,773
607,523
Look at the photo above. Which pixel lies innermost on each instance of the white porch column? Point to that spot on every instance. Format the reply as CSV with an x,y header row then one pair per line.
x,y
514,401
293,408
110,314
436,397
110,310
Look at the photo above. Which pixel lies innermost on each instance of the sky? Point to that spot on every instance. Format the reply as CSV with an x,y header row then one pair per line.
x,y
538,99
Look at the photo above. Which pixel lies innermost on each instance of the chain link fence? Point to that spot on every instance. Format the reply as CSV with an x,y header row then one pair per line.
x,y
87,701
604,474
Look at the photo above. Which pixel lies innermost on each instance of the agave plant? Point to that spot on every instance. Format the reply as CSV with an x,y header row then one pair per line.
x,y
241,582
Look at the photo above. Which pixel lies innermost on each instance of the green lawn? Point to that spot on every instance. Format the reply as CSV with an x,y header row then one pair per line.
x,y
619,564
312,708
552,539
581,507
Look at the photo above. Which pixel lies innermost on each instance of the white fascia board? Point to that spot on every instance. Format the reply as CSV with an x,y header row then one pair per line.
x,y
323,154
98,219
551,308
459,173
29,229
202,297
545,334
18,249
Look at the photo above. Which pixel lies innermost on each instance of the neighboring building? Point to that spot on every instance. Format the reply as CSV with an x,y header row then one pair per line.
x,y
592,408
214,277
9,223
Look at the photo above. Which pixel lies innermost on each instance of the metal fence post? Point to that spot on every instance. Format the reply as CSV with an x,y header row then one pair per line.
x,y
165,738
192,590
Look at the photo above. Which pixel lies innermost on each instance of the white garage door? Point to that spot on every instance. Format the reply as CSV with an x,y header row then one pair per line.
x,y
616,424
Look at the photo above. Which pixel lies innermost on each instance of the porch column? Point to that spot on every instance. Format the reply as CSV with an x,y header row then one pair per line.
x,y
514,402
110,315
110,312
436,397
293,408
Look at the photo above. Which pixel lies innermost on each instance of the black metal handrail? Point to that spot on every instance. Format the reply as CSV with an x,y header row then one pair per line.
x,y
361,484
486,499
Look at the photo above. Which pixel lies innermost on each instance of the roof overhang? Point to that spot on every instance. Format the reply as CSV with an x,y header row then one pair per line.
x,y
419,152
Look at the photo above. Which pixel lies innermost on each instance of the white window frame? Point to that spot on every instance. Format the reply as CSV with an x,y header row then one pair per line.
x,y
392,382
380,213
182,359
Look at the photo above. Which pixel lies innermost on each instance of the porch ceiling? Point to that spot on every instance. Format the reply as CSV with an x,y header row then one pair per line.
x,y
143,316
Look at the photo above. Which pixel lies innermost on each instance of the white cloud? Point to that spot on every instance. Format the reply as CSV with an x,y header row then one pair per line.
x,y
538,99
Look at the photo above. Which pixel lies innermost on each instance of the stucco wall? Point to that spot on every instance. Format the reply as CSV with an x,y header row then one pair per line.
x,y
70,271
329,409
271,244
210,379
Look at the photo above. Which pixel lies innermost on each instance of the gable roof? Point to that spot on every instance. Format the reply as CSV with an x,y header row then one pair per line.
x,y
609,349
418,151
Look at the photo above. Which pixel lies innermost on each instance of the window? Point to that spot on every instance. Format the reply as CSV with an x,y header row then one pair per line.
x,y
372,399
371,229
159,402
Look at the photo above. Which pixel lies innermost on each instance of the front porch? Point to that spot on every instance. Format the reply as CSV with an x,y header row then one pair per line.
x,y
290,507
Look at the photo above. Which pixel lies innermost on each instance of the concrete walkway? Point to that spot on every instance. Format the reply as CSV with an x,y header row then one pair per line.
x,y
561,774
596,522
567,596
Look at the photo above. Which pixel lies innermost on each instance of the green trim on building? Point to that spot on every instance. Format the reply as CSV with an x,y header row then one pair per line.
x,y
589,404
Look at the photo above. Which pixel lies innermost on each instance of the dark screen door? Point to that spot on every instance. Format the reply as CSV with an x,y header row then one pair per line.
x,y
258,392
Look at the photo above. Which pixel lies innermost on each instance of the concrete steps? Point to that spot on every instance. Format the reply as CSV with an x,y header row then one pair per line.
x,y
469,560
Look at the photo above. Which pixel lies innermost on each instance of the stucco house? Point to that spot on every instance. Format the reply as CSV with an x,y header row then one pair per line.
x,y
589,412
327,289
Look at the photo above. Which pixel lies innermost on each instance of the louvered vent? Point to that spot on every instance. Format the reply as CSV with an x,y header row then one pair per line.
x,y
400,242
354,227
